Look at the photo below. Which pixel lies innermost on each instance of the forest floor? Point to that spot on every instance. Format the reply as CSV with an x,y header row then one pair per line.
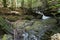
x,y
40,29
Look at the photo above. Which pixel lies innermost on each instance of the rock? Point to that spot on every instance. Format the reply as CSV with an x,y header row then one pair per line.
x,y
22,23
55,36
18,34
7,37
36,27
4,10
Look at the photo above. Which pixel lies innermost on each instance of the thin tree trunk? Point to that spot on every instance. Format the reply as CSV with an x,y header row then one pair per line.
x,y
22,4
13,4
30,4
4,3
45,4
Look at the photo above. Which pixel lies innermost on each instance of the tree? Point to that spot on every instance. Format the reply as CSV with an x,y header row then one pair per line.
x,y
4,3
30,4
45,4
22,3
13,4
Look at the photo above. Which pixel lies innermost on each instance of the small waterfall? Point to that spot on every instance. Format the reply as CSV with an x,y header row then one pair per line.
x,y
43,16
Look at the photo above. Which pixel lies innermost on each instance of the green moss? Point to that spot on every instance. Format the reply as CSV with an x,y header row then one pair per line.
x,y
7,37
28,17
12,18
4,37
5,25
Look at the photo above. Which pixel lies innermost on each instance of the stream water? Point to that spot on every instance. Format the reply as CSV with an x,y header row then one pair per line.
x,y
27,36
43,16
30,34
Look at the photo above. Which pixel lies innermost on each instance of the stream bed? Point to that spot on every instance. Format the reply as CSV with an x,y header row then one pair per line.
x,y
33,29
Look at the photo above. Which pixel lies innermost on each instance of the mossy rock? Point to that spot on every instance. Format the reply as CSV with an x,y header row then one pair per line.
x,y
7,37
12,18
38,24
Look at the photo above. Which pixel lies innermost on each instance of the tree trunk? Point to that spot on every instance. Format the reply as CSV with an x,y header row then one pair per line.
x,y
4,3
22,4
45,4
13,4
30,4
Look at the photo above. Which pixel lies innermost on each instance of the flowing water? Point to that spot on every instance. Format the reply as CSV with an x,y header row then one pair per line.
x,y
43,16
27,36
30,35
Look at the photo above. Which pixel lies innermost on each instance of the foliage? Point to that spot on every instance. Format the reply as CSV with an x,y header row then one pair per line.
x,y
4,37
5,25
7,37
4,3
12,18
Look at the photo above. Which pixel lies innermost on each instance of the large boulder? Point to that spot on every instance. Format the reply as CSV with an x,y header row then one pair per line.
x,y
55,36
